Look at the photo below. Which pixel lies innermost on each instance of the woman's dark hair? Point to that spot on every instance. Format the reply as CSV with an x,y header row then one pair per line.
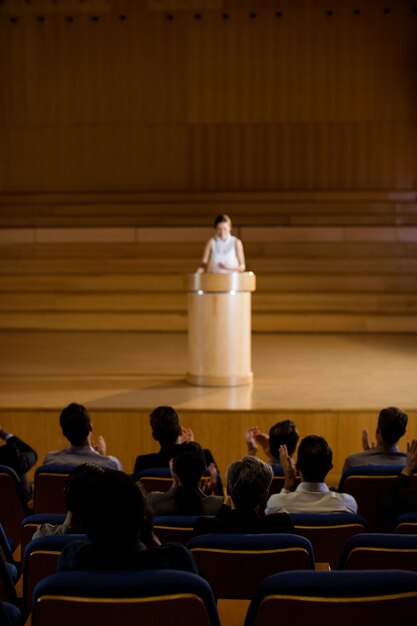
x,y
79,479
189,464
222,218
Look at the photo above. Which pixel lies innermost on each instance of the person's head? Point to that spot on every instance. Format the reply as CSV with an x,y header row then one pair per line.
x,y
77,481
222,225
165,425
189,464
75,423
314,459
112,512
283,433
392,424
248,482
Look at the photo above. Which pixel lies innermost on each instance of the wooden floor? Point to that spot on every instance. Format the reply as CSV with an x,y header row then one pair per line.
x,y
332,385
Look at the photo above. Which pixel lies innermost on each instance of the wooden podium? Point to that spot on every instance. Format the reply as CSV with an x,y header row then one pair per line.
x,y
219,328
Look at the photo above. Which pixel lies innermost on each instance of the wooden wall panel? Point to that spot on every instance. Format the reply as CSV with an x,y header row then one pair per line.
x,y
305,100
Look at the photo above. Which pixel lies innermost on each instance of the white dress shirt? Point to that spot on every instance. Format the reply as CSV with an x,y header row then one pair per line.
x,y
311,498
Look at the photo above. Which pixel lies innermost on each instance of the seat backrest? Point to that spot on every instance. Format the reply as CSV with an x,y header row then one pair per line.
x,y
367,483
174,527
40,560
7,588
155,479
328,532
31,522
234,564
326,597
13,507
124,597
380,551
48,495
406,524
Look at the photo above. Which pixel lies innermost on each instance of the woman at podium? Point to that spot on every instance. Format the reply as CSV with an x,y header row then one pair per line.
x,y
223,253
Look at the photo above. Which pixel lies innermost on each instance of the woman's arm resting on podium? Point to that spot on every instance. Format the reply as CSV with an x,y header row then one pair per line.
x,y
205,260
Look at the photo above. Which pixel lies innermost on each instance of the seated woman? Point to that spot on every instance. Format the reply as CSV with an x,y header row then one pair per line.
x,y
115,517
186,497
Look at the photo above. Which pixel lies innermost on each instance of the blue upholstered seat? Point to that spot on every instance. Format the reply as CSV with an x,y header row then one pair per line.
x,y
325,598
165,597
234,564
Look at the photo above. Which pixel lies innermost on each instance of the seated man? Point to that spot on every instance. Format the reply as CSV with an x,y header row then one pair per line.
x,y
77,428
392,424
314,462
114,515
168,432
186,497
77,481
19,456
248,482
280,434
399,497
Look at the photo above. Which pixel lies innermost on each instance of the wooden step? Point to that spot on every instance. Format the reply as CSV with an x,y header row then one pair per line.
x,y
109,265
177,302
175,322
403,283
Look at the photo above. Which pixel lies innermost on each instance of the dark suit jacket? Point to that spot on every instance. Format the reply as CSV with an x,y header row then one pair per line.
x,y
18,455
236,521
398,498
162,459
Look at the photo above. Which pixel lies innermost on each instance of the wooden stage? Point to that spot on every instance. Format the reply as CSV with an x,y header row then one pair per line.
x,y
332,385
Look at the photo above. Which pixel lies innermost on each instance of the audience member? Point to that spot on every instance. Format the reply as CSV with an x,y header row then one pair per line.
x,y
314,461
77,428
392,424
168,432
18,455
114,515
248,482
186,496
282,433
399,497
77,481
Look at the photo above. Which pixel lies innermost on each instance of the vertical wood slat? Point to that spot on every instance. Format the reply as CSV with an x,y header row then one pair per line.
x,y
302,101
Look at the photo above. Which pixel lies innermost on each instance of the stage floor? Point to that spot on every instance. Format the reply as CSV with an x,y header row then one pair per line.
x,y
142,370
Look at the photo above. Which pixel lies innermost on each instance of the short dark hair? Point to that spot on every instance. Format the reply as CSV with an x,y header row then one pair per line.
x,y
222,218
283,433
189,463
112,513
77,481
165,425
247,482
314,459
392,424
75,423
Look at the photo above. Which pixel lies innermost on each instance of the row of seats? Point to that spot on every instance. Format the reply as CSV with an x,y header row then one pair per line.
x,y
366,484
254,557
171,598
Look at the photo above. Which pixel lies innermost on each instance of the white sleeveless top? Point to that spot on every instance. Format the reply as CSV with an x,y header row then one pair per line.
x,y
223,252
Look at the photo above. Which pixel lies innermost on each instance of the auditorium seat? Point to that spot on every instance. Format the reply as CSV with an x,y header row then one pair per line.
x,y
174,527
328,532
13,504
48,496
367,483
158,598
406,524
234,564
40,560
31,522
380,551
341,597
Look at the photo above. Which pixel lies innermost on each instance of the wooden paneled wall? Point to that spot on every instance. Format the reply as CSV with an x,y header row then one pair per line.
x,y
290,94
